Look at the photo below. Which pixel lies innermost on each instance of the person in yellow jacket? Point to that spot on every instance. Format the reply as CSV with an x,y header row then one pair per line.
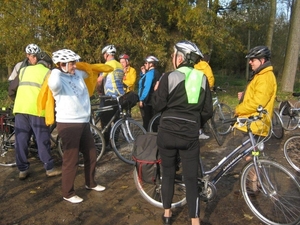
x,y
260,91
27,119
129,79
203,66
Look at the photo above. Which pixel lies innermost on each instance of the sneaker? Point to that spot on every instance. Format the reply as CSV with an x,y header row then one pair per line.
x,y
53,173
74,199
97,188
23,174
203,136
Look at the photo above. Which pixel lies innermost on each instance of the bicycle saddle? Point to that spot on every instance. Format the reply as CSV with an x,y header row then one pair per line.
x,y
296,94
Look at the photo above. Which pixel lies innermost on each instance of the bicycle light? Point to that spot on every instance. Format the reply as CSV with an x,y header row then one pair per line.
x,y
260,146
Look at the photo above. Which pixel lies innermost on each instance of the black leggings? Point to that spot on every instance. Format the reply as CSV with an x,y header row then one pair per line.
x,y
169,145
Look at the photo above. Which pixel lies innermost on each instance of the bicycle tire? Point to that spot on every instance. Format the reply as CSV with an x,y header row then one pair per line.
x,y
213,130
152,192
277,128
291,151
122,137
7,145
221,113
289,122
154,122
281,204
99,143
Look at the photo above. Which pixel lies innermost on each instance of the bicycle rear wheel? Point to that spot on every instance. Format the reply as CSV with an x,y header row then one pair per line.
x,y
221,113
122,137
291,151
277,128
7,145
154,122
99,143
281,203
152,192
290,121
213,129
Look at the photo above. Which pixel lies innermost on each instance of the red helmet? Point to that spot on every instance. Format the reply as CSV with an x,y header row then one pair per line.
x,y
124,56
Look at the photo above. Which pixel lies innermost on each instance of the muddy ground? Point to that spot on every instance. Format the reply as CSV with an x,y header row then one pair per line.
x,y
38,200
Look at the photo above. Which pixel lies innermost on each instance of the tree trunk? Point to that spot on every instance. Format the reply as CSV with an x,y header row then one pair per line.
x,y
292,51
271,24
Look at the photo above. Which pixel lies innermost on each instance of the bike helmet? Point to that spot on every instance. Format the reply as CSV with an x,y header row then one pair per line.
x,y
64,56
259,52
124,56
32,49
44,58
190,51
109,49
151,59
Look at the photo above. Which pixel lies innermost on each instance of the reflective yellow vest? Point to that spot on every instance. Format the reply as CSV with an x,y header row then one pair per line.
x,y
31,79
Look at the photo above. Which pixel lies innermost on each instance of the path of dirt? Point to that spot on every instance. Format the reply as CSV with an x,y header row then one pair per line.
x,y
37,200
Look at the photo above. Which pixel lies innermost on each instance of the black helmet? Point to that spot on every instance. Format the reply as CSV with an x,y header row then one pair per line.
x,y
44,58
190,51
259,52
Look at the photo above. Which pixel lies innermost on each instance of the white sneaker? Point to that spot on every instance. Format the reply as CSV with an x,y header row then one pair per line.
x,y
97,188
203,136
74,199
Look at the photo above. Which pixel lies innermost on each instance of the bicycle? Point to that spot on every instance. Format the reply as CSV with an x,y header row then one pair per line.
x,y
290,114
124,131
270,190
291,151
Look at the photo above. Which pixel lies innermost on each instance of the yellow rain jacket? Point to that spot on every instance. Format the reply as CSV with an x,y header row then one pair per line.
x,y
260,91
206,69
45,99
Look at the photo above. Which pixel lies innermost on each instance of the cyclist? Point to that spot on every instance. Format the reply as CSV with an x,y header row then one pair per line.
x,y
149,76
204,66
27,119
129,79
31,50
260,90
184,98
73,111
110,84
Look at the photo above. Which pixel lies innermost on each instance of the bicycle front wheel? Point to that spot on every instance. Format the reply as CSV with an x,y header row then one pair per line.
x,y
277,128
291,151
152,192
290,120
122,137
98,140
281,203
221,113
7,145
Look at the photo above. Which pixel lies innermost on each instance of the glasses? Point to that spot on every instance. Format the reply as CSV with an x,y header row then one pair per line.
x,y
252,60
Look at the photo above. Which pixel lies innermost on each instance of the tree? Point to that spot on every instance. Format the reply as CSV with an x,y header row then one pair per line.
x,y
292,51
271,24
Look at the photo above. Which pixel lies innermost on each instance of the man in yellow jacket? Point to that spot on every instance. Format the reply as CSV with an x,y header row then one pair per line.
x,y
261,90
129,79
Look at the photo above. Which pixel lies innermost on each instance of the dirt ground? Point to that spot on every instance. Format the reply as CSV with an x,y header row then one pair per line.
x,y
38,200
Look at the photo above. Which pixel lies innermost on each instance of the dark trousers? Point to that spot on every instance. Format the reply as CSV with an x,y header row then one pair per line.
x,y
25,125
169,145
76,137
147,114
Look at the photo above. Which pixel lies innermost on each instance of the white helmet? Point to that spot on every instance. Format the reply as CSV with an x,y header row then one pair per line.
x,y
109,49
151,59
190,51
32,49
64,56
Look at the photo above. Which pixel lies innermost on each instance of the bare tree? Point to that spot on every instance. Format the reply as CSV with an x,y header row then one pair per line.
x,y
292,52
271,23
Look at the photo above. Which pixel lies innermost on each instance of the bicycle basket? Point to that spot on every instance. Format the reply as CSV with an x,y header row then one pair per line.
x,y
129,100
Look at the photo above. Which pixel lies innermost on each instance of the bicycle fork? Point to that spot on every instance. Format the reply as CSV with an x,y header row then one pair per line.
x,y
126,131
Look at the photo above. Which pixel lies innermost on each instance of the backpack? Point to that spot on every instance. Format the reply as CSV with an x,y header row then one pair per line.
x,y
145,154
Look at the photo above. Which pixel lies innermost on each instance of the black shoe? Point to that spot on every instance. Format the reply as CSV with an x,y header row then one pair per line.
x,y
166,220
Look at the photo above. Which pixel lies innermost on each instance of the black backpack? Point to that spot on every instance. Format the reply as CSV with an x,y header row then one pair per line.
x,y
145,154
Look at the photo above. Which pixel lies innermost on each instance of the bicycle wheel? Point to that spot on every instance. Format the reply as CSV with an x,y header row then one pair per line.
x,y
277,128
7,145
122,137
213,129
99,143
222,112
152,192
154,122
290,121
281,203
291,151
